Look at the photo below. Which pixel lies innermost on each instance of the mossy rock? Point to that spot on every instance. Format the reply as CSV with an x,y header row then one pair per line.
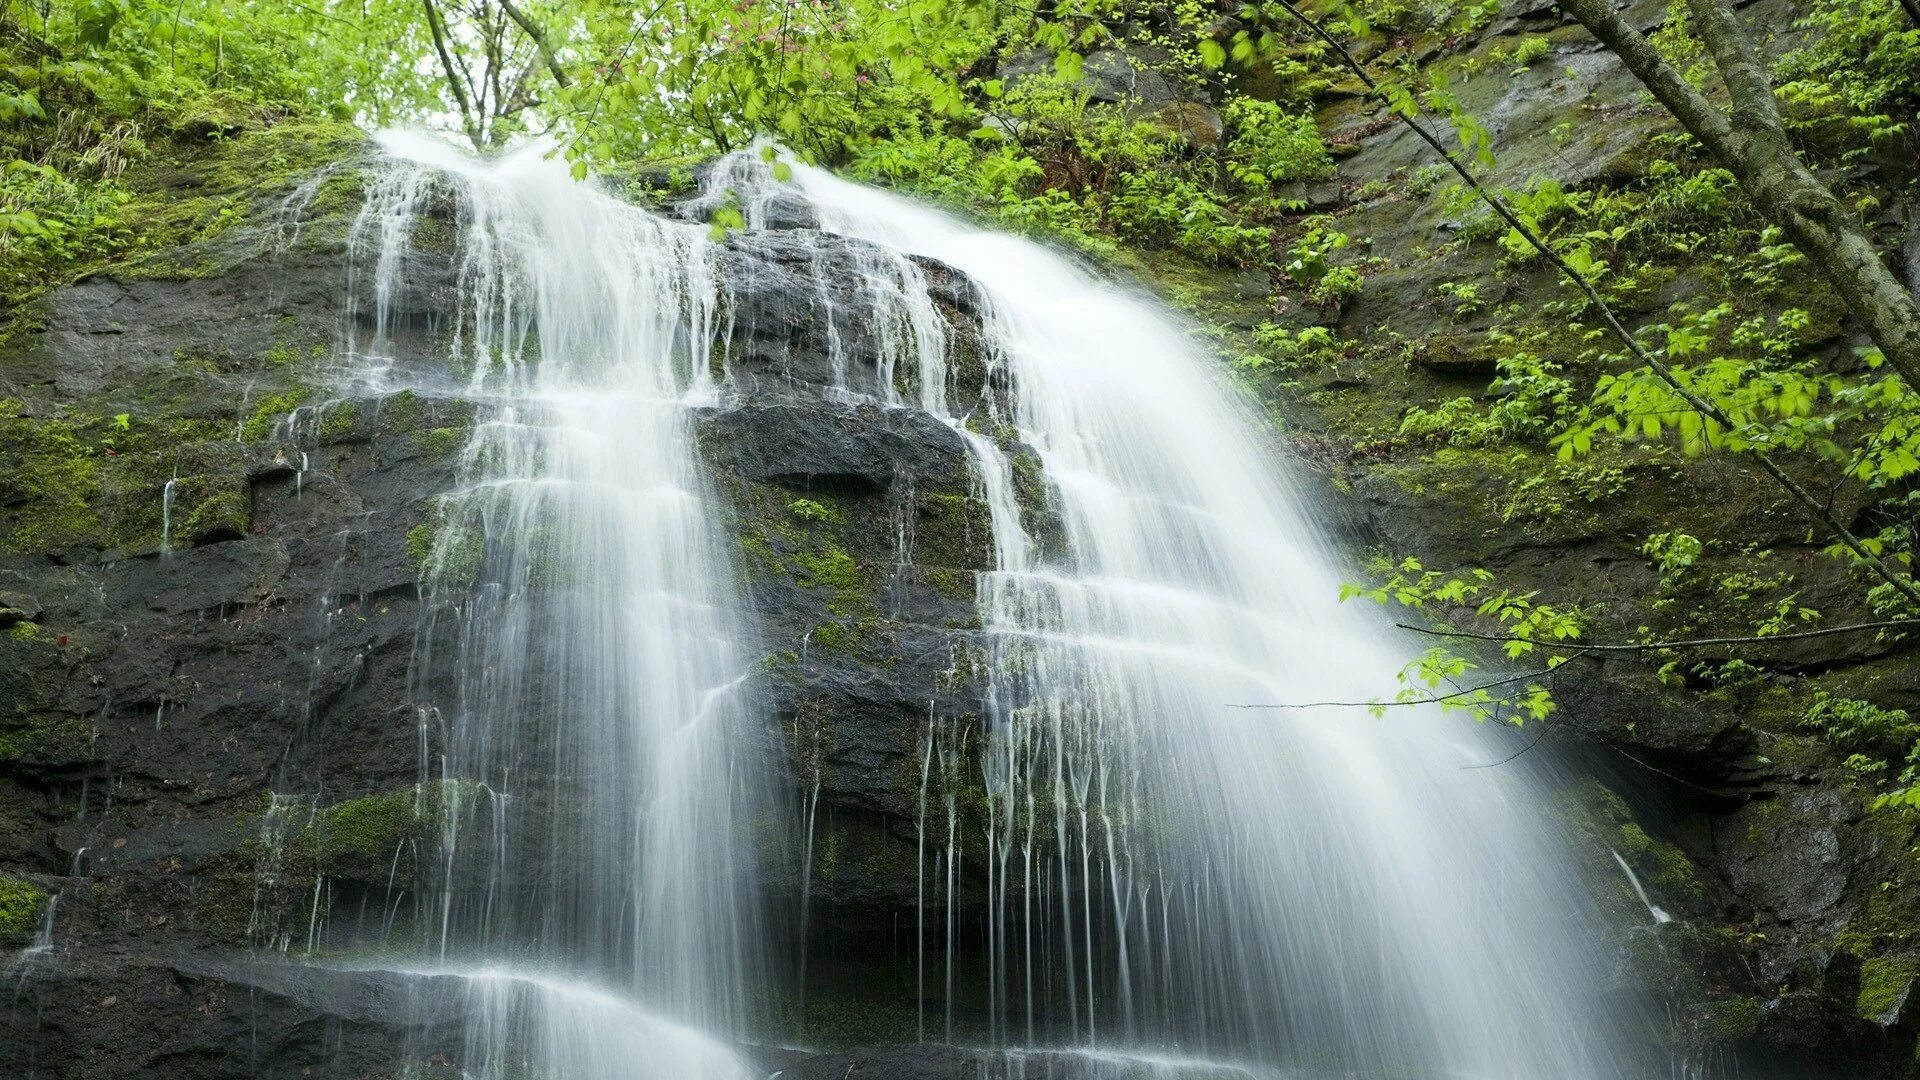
x,y
85,481
20,903
1885,985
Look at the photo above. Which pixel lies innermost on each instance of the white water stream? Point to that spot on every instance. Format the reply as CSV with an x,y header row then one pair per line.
x,y
586,677
1302,887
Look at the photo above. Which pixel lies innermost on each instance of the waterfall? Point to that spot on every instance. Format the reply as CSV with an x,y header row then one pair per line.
x,y
582,672
1308,886
1166,877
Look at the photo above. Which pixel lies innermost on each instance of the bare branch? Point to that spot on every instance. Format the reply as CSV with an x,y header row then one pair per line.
x,y
532,30
1692,643
1434,700
460,97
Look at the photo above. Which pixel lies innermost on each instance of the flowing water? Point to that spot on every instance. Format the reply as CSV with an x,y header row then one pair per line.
x,y
584,684
1301,887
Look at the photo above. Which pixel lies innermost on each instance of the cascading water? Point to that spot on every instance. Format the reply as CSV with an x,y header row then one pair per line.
x,y
1163,874
581,676
1302,885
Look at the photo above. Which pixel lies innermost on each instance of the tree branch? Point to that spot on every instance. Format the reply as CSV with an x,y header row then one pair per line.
x,y
460,98
1434,700
1747,81
532,30
1693,643
1688,105
1755,148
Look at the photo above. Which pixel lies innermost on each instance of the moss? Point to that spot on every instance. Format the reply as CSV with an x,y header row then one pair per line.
x,y
845,636
444,550
831,568
952,531
441,441
835,1022
951,583
757,555
359,838
88,481
260,426
1883,986
404,411
339,422
50,478
199,188
19,906
420,546
365,828
1671,870
1732,1018
225,514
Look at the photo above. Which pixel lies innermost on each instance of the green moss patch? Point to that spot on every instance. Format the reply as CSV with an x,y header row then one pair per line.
x,y
267,414
1884,985
80,480
19,906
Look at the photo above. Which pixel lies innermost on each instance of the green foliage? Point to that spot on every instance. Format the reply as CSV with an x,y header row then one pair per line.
x,y
1860,68
1310,263
1854,726
1530,51
1309,346
1535,403
1441,674
1270,146
1673,553
260,426
809,510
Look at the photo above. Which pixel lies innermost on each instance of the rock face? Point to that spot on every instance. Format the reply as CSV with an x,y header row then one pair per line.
x,y
210,592
210,586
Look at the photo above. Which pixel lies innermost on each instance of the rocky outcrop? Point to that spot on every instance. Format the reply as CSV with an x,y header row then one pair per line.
x,y
213,536
210,593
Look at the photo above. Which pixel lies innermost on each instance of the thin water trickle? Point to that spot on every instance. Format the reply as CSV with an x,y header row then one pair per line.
x,y
1659,914
166,517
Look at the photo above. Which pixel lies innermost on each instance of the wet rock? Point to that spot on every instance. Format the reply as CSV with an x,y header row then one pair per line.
x,y
1128,76
1197,124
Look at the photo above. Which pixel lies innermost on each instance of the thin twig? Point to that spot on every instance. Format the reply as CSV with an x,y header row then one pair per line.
x,y
1537,740
454,84
533,30
1435,700
1692,643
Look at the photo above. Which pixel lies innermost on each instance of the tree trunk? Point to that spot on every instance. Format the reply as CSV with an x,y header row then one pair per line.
x,y
1753,145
